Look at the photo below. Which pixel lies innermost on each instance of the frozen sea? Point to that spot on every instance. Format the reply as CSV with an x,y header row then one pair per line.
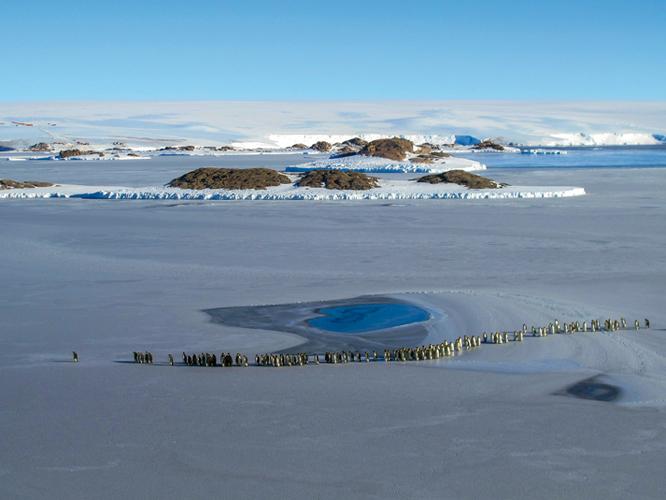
x,y
108,277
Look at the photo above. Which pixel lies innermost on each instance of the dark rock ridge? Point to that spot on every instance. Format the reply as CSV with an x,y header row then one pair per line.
x,y
338,179
230,178
487,144
421,159
299,146
41,147
430,157
463,178
392,149
345,151
8,184
351,147
321,146
355,143
77,152
179,148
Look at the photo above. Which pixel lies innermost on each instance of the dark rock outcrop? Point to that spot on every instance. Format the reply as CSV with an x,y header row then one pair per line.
x,y
76,152
8,184
42,147
337,179
488,144
421,159
430,157
463,178
392,149
321,146
230,178
355,143
346,151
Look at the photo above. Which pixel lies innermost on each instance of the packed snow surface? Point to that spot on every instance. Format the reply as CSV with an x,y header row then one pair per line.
x,y
106,278
370,164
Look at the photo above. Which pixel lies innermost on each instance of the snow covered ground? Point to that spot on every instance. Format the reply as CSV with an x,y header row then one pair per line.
x,y
108,277
146,125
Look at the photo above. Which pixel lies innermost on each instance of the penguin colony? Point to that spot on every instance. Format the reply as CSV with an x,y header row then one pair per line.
x,y
422,353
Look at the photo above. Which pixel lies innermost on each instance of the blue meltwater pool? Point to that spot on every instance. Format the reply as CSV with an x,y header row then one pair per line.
x,y
369,317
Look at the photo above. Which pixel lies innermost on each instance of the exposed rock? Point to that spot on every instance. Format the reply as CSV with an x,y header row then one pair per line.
x,y
225,148
299,146
355,143
346,151
430,157
488,144
392,149
133,154
421,159
186,148
76,152
230,178
42,147
338,179
8,184
321,146
463,178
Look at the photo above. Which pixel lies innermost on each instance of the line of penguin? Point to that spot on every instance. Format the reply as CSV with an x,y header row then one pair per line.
x,y
422,353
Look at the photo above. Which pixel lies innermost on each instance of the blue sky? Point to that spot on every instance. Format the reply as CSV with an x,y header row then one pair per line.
x,y
343,50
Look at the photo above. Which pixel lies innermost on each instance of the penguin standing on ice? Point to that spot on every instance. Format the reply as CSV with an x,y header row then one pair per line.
x,y
76,356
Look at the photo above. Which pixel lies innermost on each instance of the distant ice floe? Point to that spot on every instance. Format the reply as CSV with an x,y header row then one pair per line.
x,y
543,152
388,190
607,139
80,158
370,164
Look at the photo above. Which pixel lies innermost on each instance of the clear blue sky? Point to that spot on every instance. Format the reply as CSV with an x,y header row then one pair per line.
x,y
338,50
